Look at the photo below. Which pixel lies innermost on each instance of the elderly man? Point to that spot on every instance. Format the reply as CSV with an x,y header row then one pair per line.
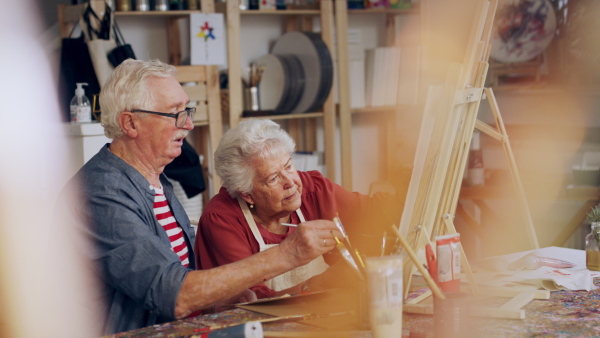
x,y
142,236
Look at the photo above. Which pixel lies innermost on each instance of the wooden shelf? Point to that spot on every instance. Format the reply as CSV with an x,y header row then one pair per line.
x,y
157,13
374,110
281,12
406,11
385,109
286,116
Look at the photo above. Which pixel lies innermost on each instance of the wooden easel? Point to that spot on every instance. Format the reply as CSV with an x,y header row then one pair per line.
x,y
512,309
499,133
450,114
447,128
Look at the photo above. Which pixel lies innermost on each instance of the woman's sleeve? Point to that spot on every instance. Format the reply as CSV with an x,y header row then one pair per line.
x,y
358,212
222,239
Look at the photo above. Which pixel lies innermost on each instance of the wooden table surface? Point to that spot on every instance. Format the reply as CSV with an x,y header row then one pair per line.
x,y
565,314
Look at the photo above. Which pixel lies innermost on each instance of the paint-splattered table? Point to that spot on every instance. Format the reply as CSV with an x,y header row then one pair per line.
x,y
565,314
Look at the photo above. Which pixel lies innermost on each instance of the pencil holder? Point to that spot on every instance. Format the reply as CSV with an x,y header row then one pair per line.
x,y
251,101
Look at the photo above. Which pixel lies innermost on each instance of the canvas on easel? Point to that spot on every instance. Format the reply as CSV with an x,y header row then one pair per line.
x,y
450,112
449,120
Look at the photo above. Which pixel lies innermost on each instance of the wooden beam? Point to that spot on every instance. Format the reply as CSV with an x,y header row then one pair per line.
x,y
343,85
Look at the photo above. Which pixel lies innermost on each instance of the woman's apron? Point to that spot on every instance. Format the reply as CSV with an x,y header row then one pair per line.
x,y
290,278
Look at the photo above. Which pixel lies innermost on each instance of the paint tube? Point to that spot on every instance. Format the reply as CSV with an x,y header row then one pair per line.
x,y
448,262
246,330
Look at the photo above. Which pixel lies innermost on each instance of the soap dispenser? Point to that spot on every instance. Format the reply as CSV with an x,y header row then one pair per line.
x,y
81,109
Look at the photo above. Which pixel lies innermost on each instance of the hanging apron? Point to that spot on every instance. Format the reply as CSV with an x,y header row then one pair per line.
x,y
290,278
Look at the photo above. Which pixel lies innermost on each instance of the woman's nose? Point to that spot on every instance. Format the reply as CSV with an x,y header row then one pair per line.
x,y
287,180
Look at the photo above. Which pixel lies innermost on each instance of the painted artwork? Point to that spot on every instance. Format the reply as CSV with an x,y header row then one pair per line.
x,y
522,29
207,35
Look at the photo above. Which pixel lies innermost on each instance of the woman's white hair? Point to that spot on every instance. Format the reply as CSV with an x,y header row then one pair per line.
x,y
127,89
251,139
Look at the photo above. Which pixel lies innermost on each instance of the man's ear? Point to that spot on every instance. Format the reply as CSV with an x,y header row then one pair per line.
x,y
127,123
246,197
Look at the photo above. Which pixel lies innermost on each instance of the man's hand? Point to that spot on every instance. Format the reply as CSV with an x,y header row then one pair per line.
x,y
310,240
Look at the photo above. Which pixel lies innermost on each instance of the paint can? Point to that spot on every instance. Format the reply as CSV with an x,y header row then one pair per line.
x,y
142,5
161,5
124,5
451,316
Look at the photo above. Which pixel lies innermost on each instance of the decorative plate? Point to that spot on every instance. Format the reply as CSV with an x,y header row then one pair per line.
x,y
522,29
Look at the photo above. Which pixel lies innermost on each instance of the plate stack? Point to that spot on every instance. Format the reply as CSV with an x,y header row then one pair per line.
x,y
297,76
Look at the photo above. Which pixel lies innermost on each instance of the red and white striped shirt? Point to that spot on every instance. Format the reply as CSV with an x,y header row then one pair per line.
x,y
165,217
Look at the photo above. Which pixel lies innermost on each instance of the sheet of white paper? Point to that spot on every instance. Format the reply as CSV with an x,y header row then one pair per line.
x,y
556,279
576,278
207,39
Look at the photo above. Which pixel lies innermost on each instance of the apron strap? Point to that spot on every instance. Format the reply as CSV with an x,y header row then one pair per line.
x,y
300,215
251,223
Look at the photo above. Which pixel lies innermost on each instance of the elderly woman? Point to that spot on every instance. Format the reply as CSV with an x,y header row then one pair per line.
x,y
262,191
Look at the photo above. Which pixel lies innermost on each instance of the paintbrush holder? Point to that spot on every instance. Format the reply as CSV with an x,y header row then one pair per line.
x,y
251,100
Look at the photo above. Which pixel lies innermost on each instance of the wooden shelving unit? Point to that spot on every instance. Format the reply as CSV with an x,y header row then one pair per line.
x,y
297,124
392,113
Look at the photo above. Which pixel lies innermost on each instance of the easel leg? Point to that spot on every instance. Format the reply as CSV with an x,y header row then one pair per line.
x,y
501,135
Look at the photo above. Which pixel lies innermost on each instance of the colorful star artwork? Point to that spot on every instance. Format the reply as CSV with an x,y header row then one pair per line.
x,y
207,39
206,32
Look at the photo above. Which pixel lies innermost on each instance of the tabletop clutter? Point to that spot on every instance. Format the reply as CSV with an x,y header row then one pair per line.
x,y
376,308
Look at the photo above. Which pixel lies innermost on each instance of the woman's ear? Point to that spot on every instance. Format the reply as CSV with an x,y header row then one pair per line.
x,y
246,197
127,123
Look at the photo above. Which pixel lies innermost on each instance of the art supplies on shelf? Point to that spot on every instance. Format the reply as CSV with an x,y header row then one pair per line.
x,y
391,75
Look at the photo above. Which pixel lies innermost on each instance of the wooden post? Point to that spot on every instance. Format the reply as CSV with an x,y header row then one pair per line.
x,y
343,83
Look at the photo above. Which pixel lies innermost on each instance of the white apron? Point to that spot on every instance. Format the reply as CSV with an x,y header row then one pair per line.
x,y
290,278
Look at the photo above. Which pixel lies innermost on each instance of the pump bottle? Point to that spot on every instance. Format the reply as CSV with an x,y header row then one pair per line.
x,y
81,109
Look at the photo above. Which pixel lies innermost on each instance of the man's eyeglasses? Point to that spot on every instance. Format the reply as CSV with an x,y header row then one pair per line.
x,y
180,117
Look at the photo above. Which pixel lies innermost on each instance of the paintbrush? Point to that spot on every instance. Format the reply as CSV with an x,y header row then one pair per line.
x,y
351,257
340,226
346,242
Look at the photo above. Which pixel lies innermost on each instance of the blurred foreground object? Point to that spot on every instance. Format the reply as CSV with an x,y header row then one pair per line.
x,y
45,289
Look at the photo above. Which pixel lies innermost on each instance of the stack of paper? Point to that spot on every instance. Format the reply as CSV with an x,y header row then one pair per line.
x,y
382,67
